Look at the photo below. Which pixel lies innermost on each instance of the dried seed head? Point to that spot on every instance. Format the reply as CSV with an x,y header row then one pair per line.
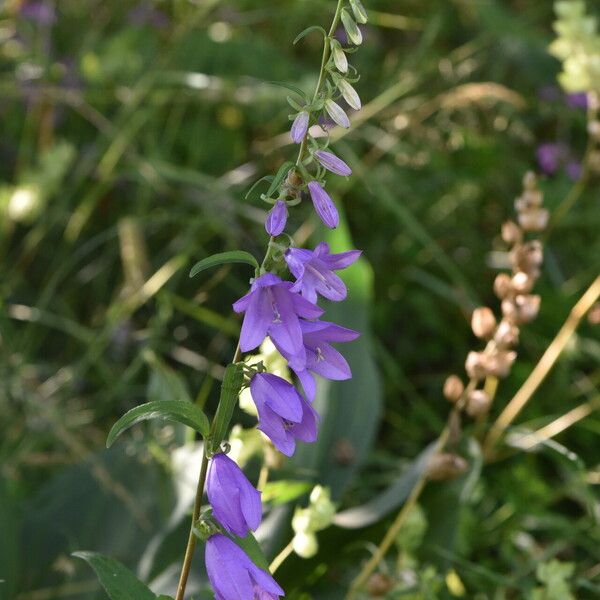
x,y
379,584
499,364
522,283
507,334
527,257
446,466
527,307
511,233
509,310
478,403
529,180
453,388
534,220
502,285
483,322
475,365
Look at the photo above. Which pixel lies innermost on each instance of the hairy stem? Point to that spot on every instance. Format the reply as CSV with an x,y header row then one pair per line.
x,y
191,543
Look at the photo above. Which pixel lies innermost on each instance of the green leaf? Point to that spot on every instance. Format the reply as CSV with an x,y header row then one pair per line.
x,y
230,391
284,490
292,88
171,410
252,548
268,178
388,500
284,169
118,581
308,30
234,256
164,382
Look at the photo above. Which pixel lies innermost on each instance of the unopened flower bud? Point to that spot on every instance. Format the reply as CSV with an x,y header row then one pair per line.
x,y
529,180
352,30
336,112
360,14
507,334
534,220
349,94
339,57
453,388
502,285
446,465
511,233
483,322
478,403
499,364
528,307
474,365
305,544
379,585
522,283
300,127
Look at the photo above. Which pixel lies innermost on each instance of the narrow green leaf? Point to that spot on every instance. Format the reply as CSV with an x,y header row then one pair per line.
x,y
230,391
118,581
234,256
252,548
284,490
268,178
283,170
171,410
292,88
308,30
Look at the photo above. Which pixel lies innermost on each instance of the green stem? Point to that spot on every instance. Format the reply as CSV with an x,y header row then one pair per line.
x,y
191,543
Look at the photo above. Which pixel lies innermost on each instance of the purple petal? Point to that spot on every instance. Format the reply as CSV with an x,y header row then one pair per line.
x,y
329,363
277,218
225,570
308,383
332,163
306,430
257,319
324,205
341,260
306,309
277,393
324,330
299,127
285,327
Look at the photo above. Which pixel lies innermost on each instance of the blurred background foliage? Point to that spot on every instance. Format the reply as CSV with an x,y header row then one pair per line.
x,y
130,134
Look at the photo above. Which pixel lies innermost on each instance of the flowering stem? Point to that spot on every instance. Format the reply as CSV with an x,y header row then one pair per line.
x,y
191,544
280,558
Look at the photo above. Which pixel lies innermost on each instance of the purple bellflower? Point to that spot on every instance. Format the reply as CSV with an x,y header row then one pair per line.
x,y
332,163
314,271
234,576
235,502
321,357
283,414
277,218
299,127
271,308
324,205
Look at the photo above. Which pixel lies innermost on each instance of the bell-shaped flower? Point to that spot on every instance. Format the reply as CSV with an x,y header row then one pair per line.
x,y
321,357
234,576
284,416
324,205
271,308
277,218
234,500
300,127
314,271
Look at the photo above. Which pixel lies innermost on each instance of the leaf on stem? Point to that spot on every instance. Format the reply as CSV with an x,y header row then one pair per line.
x,y
230,391
234,256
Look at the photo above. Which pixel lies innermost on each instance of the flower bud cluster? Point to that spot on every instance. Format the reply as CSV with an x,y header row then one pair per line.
x,y
308,521
518,305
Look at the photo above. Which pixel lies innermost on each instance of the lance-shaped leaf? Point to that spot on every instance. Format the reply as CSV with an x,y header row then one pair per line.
x,y
284,169
172,410
234,256
118,581
230,391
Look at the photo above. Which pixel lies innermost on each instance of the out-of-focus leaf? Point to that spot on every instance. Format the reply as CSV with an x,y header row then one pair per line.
x,y
350,410
230,391
285,490
165,383
118,581
252,548
308,30
234,256
9,548
387,501
172,410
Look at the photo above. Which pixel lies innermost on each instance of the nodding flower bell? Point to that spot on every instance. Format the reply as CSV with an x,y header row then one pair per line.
x,y
324,205
300,127
235,502
234,576
277,218
332,163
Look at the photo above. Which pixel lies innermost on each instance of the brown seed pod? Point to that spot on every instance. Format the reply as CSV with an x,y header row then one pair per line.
x,y
478,403
475,365
453,388
446,465
483,322
379,584
507,334
502,285
511,233
534,220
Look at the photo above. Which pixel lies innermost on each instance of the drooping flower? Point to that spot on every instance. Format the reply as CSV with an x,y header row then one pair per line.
x,y
284,416
324,205
349,93
336,112
321,357
314,271
299,127
277,218
234,576
234,500
332,163
271,308
339,56
42,13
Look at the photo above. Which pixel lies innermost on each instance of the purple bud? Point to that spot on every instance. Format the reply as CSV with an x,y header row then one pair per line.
x,y
324,205
577,100
573,170
336,112
332,163
276,219
299,127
